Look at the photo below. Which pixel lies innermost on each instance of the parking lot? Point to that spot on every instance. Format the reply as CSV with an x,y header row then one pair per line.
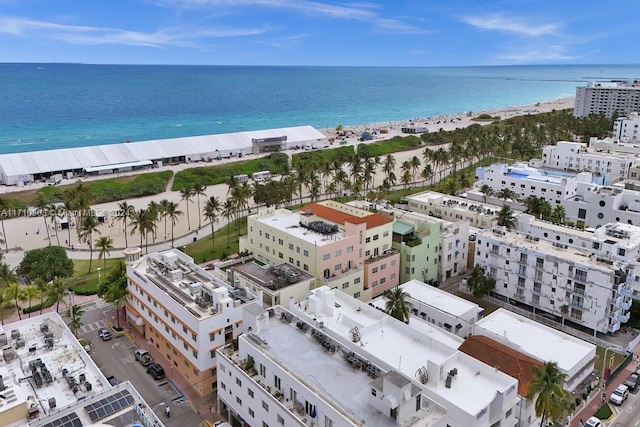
x,y
115,357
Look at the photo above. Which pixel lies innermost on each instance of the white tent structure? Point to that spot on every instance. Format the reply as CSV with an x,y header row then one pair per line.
x,y
21,168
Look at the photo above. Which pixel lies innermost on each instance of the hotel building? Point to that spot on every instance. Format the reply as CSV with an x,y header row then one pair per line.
x,y
47,379
184,311
587,289
454,209
344,247
607,97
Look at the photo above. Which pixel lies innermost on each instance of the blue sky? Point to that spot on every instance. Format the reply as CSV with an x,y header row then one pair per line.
x,y
322,32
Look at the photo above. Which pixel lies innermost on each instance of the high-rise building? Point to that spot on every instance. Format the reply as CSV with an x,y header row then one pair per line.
x,y
607,97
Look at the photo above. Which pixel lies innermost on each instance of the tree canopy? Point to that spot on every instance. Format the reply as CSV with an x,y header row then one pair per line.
x,y
48,263
114,285
479,284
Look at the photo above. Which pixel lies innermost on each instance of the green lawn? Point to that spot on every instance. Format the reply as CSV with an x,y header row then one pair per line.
x,y
617,359
83,282
202,250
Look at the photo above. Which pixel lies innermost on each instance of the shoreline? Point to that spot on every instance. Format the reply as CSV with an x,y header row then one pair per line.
x,y
449,122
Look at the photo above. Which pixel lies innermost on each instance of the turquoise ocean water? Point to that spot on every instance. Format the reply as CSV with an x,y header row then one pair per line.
x,y
46,106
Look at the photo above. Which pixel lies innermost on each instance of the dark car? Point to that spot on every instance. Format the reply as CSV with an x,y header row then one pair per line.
x,y
156,371
632,381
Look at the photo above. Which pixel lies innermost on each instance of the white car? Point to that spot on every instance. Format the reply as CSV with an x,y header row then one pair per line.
x,y
619,395
593,422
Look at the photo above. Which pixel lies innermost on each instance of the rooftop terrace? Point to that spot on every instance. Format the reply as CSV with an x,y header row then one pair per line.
x,y
285,220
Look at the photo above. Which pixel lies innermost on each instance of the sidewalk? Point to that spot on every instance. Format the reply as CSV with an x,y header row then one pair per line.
x,y
596,401
77,299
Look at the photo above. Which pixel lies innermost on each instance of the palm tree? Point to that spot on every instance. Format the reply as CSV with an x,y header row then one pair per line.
x,y
30,292
486,191
4,299
505,194
43,289
228,210
397,305
89,226
547,388
162,210
559,214
186,194
74,313
43,203
173,213
211,211
57,291
415,167
104,244
564,309
506,217
153,211
4,206
124,214
199,189
13,292
7,275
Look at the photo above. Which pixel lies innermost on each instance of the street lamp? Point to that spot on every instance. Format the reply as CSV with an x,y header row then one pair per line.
x,y
604,361
99,276
118,312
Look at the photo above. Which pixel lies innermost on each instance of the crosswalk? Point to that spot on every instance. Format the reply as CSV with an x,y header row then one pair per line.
x,y
92,327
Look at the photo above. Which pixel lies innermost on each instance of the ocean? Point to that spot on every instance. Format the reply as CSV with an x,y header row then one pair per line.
x,y
47,106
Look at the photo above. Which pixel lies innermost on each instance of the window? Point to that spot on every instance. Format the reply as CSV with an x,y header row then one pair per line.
x,y
290,246
373,392
375,237
338,267
238,400
326,256
239,381
305,253
383,267
265,405
280,242
356,295
392,276
263,371
251,413
276,382
385,234
305,267
374,270
339,252
356,280
290,260
383,280
223,385
250,393
280,255
367,240
266,235
280,420
349,249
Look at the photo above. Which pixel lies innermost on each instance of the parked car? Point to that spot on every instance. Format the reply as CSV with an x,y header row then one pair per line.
x,y
143,357
632,381
105,334
619,395
221,424
593,422
156,371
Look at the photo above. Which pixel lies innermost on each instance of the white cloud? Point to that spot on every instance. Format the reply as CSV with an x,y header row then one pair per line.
x,y
550,53
86,35
511,24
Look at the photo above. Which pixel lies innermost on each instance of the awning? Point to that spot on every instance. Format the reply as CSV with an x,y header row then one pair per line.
x,y
118,166
402,228
139,321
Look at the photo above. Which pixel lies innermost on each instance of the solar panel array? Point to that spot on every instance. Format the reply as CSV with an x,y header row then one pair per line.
x,y
109,405
70,420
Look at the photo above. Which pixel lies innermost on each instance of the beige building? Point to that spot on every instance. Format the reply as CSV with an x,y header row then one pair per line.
x,y
185,312
344,247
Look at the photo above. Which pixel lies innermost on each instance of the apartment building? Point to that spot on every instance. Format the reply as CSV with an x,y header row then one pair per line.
x,y
625,129
613,145
342,246
185,312
607,97
445,310
281,284
451,208
288,371
575,358
576,157
47,379
469,392
546,275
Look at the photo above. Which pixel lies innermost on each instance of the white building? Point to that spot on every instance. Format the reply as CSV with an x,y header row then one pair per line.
x,y
525,181
588,290
470,392
443,309
575,357
451,208
21,168
607,97
576,157
47,379
184,311
289,372
625,129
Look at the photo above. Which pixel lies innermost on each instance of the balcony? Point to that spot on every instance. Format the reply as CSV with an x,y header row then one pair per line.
x,y
494,252
338,276
622,318
579,291
623,303
385,254
625,291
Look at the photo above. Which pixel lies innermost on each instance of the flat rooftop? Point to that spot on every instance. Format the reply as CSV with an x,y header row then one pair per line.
x,y
288,221
436,298
459,204
536,340
329,373
191,286
274,277
549,248
407,350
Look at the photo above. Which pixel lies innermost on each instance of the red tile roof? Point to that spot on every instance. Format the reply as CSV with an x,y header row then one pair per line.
x,y
339,217
512,362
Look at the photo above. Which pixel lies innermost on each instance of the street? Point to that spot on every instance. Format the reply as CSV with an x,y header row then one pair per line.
x,y
116,357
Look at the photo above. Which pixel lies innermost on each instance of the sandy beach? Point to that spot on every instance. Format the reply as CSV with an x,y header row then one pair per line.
x,y
25,233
